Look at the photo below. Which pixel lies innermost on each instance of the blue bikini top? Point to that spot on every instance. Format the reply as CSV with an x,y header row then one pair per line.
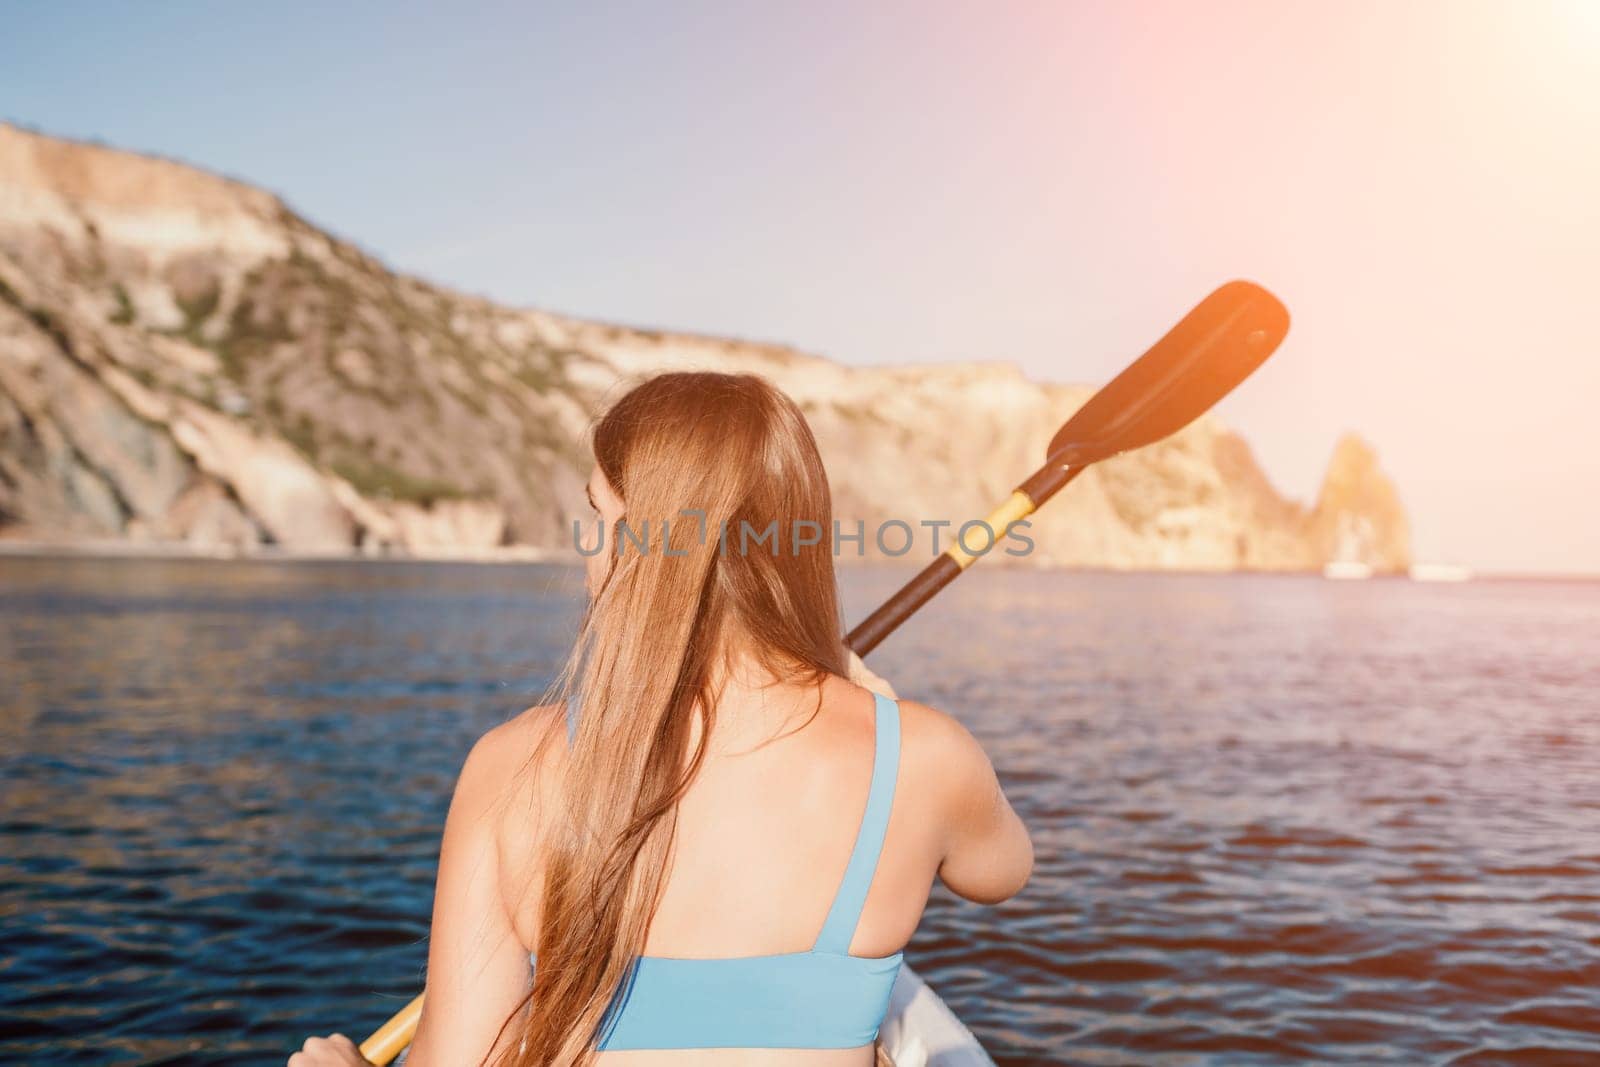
x,y
824,998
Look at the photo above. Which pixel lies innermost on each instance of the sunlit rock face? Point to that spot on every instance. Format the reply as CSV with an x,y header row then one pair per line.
x,y
184,362
1358,515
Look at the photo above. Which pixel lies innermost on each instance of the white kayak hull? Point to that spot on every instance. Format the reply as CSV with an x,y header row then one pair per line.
x,y
921,1030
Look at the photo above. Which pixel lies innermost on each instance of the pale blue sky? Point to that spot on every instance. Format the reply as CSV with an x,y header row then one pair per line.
x,y
1050,184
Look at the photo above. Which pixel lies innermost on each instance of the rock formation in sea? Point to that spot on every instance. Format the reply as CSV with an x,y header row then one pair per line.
x,y
186,363
1358,516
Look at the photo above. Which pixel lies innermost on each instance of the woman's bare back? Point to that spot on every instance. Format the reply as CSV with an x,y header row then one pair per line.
x,y
763,836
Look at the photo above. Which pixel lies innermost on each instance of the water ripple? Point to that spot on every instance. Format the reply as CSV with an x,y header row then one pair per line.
x,y
1277,820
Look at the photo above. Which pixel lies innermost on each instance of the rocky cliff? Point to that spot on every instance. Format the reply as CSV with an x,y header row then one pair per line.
x,y
185,362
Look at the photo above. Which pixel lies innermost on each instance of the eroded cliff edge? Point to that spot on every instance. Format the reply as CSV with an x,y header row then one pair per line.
x,y
185,362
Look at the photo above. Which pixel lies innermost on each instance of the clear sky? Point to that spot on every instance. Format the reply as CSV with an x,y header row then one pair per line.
x,y
1051,184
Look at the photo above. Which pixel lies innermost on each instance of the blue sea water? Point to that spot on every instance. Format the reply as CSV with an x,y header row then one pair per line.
x,y
1278,820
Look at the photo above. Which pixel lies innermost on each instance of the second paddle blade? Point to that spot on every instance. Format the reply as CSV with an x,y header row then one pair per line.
x,y
1215,347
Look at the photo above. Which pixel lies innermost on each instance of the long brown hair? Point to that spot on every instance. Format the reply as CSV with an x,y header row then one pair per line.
x,y
722,483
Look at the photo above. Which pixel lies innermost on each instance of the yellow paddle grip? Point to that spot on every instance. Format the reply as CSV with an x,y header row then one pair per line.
x,y
390,1039
1016,507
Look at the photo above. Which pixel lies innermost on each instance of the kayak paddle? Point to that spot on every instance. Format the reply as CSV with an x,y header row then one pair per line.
x,y
1215,347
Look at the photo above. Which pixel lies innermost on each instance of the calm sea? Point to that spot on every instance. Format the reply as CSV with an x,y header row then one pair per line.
x,y
1279,820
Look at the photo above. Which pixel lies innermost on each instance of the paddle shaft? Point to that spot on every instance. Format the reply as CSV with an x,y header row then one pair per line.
x,y
392,1037
1028,497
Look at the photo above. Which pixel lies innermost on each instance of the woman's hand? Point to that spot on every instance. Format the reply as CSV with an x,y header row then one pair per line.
x,y
335,1050
861,675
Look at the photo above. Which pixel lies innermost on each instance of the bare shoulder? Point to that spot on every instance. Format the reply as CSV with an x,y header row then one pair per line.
x,y
941,756
937,738
499,765
943,769
522,732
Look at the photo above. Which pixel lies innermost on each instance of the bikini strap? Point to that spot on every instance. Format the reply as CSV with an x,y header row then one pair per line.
x,y
840,926
572,719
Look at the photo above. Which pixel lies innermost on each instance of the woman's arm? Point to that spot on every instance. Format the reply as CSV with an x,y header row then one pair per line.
x,y
478,970
988,855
